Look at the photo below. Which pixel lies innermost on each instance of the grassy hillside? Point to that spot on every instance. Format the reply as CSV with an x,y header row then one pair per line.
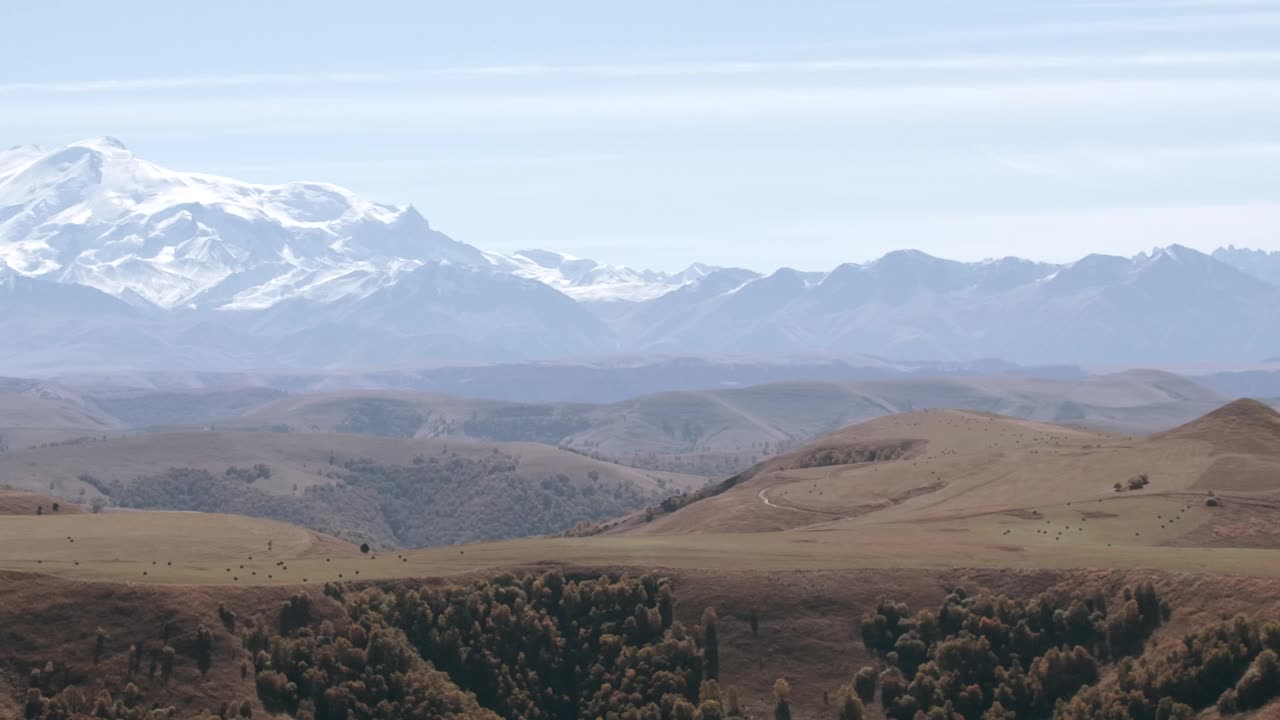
x,y
390,492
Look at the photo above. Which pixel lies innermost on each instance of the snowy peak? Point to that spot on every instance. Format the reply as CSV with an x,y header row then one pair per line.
x,y
590,281
95,214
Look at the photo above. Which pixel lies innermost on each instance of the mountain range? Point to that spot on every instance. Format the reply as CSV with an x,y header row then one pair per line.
x,y
109,261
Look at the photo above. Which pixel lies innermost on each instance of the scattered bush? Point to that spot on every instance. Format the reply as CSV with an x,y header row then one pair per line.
x,y
1137,482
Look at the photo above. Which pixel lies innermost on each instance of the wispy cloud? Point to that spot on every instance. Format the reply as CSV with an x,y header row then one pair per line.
x,y
1131,159
849,65
1180,4
647,107
1200,24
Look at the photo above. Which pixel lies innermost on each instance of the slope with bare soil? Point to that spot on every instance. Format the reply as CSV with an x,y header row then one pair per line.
x,y
18,502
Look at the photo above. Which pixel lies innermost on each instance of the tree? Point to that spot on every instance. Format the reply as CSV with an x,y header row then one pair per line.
x,y
1260,683
711,645
782,700
99,645
167,656
666,605
35,704
850,706
204,649
364,548
864,685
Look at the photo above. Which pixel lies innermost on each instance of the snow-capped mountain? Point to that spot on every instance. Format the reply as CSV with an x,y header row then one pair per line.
x,y
108,261
590,281
95,214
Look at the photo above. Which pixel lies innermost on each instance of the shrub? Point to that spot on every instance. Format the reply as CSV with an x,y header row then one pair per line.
x,y
227,616
782,700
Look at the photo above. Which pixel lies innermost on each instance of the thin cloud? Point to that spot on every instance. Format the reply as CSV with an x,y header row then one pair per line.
x,y
635,109
943,64
1131,159
1180,4
654,108
1147,25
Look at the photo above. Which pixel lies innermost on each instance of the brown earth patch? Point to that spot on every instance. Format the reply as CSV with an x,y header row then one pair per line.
x,y
1241,473
18,502
1237,523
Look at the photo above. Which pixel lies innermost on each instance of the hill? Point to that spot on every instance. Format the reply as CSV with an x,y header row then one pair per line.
x,y
918,472
18,502
33,412
168,408
719,432
386,491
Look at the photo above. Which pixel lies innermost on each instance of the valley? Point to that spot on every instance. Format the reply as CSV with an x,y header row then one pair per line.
x,y
908,504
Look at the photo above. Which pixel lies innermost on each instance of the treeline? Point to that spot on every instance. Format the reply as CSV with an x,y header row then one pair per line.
x,y
990,657
1231,664
547,647
535,647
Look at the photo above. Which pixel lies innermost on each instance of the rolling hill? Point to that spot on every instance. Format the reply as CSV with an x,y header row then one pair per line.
x,y
390,492
712,432
967,472
34,412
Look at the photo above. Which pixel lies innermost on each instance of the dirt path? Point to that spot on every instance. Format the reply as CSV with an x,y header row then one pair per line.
x,y
772,504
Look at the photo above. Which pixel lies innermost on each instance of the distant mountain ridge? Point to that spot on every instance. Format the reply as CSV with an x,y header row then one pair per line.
x,y
108,261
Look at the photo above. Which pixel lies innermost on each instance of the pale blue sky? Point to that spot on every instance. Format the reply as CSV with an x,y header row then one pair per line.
x,y
654,134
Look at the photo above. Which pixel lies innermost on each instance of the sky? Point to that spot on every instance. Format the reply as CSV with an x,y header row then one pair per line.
x,y
656,134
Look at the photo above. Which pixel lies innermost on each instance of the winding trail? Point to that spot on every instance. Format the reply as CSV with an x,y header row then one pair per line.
x,y
772,504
